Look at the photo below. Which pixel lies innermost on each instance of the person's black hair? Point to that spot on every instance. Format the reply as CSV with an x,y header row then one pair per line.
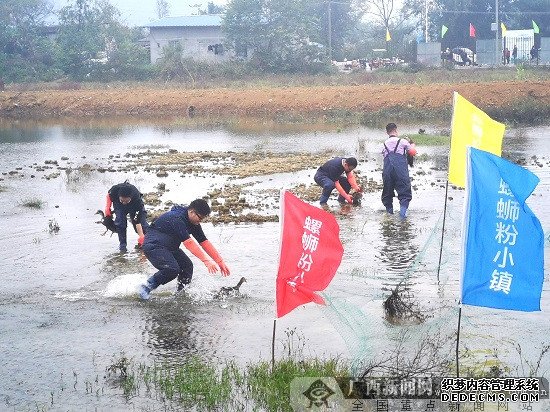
x,y
125,190
390,127
351,162
200,206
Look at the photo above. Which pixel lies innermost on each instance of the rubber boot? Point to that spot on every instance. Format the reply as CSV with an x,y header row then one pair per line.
x,y
403,212
121,239
182,283
146,288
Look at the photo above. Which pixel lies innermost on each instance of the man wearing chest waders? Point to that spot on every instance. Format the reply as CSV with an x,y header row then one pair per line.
x,y
395,175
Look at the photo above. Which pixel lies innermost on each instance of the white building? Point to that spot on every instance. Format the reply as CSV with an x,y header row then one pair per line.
x,y
200,36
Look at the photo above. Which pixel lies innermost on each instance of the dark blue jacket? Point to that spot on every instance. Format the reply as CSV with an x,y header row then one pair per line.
x,y
135,208
172,228
333,169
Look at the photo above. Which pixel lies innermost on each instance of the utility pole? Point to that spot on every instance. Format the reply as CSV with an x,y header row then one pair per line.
x,y
329,32
497,46
426,21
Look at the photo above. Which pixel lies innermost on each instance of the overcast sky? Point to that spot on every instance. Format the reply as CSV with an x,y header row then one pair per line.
x,y
141,12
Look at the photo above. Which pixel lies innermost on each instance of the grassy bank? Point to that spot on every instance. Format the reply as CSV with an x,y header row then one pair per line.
x,y
405,75
528,112
205,385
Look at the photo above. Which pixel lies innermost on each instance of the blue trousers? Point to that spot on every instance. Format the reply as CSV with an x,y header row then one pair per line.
x,y
328,186
121,223
395,176
171,264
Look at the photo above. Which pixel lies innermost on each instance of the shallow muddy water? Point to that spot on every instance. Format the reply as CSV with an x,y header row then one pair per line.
x,y
68,305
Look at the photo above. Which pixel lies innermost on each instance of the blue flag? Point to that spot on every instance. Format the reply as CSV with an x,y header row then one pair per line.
x,y
503,257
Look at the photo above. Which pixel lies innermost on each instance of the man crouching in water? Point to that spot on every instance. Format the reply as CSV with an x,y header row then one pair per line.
x,y
161,246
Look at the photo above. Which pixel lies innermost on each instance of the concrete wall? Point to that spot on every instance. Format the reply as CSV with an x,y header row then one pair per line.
x,y
485,52
544,54
195,42
429,54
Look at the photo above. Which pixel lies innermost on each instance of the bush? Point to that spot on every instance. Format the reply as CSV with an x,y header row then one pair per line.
x,y
15,69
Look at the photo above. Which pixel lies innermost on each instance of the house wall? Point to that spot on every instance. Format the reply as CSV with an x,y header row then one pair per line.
x,y
195,42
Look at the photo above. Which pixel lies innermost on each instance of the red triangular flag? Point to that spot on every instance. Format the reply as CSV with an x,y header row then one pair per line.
x,y
311,252
472,30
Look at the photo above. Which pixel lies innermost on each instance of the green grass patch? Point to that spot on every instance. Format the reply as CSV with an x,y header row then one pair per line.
x,y
381,117
519,112
428,139
526,111
205,386
33,203
270,388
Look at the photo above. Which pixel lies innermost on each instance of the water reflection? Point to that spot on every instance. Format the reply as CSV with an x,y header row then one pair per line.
x,y
397,250
171,329
19,135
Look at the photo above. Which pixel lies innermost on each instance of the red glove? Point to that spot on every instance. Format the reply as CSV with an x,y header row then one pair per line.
x,y
223,268
412,150
210,266
214,254
140,240
108,212
353,182
195,249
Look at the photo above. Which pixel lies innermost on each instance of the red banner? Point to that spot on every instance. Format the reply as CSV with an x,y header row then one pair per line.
x,y
472,30
311,252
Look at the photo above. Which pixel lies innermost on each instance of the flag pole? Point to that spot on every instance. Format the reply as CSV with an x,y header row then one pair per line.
x,y
273,346
443,229
446,195
458,338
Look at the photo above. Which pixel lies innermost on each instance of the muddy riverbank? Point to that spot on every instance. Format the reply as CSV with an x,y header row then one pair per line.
x,y
267,101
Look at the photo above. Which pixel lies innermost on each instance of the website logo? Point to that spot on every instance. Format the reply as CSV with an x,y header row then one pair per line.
x,y
318,393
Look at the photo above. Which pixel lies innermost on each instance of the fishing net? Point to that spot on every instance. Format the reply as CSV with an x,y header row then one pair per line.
x,y
365,333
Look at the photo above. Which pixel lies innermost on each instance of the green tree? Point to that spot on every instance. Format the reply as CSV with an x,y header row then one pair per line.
x,y
87,27
277,35
458,14
344,19
124,59
212,8
26,53
370,35
525,12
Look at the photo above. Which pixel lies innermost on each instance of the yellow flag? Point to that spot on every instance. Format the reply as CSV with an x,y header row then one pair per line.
x,y
503,27
388,37
471,127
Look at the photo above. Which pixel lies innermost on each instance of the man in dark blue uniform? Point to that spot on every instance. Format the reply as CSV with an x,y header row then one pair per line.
x,y
331,175
126,200
161,246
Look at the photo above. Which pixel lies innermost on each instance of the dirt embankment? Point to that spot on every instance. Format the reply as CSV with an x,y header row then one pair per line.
x,y
266,101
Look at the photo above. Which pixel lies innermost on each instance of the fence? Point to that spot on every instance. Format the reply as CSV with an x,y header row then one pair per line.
x,y
430,53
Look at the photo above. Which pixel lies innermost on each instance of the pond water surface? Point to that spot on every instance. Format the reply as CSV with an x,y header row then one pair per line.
x,y
68,306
